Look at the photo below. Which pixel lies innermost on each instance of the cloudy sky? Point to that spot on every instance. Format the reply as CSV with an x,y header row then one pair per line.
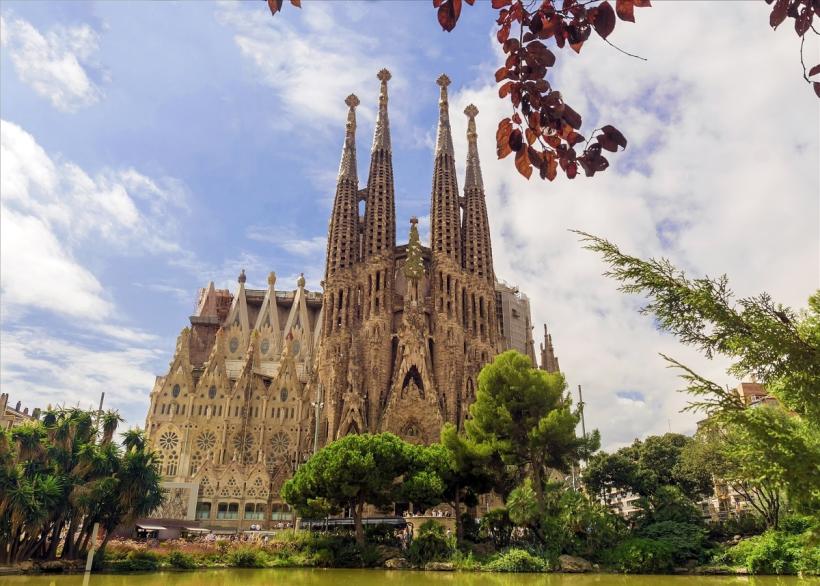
x,y
148,148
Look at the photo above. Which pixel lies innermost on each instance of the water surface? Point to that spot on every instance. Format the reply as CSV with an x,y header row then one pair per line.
x,y
318,577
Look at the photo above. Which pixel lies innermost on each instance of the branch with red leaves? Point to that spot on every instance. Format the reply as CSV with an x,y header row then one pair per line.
x,y
803,13
543,129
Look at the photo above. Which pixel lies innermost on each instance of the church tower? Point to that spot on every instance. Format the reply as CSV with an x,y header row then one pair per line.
x,y
479,301
448,292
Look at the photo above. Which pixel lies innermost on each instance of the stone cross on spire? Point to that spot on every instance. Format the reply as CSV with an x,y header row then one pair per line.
x,y
347,166
473,176
444,141
381,139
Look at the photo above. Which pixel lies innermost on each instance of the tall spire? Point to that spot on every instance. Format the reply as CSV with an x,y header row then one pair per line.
x,y
549,361
473,176
342,242
476,247
445,210
347,166
381,139
380,205
444,140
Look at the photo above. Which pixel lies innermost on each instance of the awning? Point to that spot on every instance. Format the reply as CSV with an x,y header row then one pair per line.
x,y
196,530
150,527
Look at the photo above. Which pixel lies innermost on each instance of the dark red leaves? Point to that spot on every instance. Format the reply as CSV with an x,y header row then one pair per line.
x,y
498,4
778,14
604,19
803,22
296,3
516,140
448,13
803,12
275,6
522,163
500,74
625,9
816,86
814,70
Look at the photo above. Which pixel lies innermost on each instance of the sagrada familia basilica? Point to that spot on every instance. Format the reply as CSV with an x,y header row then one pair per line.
x,y
395,342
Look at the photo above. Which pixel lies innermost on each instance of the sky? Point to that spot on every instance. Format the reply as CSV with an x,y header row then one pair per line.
x,y
148,148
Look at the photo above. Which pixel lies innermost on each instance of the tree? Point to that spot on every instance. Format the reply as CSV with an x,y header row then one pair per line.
x,y
362,469
543,129
526,417
774,343
61,475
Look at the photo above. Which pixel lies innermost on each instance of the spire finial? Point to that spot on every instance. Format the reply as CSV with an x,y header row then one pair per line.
x,y
271,279
444,141
381,139
473,176
300,282
347,166
242,278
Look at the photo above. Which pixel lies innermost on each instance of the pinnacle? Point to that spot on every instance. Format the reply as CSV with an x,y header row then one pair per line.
x,y
443,80
471,111
384,75
352,101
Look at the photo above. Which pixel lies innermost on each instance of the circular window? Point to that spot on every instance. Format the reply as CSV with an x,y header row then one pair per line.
x,y
283,394
234,344
243,442
265,346
295,347
168,440
212,392
279,442
206,440
175,391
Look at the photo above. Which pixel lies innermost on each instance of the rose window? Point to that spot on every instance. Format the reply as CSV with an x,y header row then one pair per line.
x,y
279,443
243,443
168,440
206,441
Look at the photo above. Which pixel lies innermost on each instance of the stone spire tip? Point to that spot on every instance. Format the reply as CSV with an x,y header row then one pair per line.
x,y
352,101
443,80
471,111
271,278
242,278
384,75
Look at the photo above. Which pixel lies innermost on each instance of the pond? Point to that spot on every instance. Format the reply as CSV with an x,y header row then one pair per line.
x,y
316,577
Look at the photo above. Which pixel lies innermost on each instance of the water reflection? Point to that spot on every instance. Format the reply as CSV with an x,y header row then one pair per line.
x,y
317,577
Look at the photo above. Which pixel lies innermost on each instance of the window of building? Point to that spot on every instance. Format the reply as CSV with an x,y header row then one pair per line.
x,y
280,512
203,510
255,511
227,511
175,391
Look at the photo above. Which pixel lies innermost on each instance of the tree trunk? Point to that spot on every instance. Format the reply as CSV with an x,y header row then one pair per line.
x,y
459,521
55,541
357,522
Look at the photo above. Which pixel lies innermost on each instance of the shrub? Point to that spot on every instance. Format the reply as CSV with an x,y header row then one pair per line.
x,y
517,560
496,526
686,540
776,552
136,561
640,555
430,545
181,560
796,524
247,557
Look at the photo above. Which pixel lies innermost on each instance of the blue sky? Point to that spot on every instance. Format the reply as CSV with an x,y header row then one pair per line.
x,y
150,147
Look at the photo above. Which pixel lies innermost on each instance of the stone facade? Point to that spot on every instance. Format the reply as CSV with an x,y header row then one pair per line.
x,y
394,343
14,416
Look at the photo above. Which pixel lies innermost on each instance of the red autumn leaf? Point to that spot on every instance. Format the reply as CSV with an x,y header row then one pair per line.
x,y
606,141
572,117
500,3
522,163
296,3
779,12
503,33
625,9
535,157
572,170
275,6
814,70
642,3
505,89
816,86
516,118
448,14
576,47
516,140
552,167
604,22
531,136
470,2
504,129
437,3
615,135
500,74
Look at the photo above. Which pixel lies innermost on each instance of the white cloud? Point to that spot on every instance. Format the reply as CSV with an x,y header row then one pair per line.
x,y
721,175
54,64
287,239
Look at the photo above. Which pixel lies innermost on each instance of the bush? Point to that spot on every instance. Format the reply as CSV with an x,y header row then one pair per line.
x,y
430,545
247,557
517,560
181,560
496,526
640,555
776,552
686,540
136,561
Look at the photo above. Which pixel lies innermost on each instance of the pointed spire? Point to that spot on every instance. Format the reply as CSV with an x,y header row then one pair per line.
x,y
444,141
347,166
381,138
414,265
473,176
549,361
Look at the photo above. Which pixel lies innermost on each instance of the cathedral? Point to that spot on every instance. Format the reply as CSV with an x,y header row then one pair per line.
x,y
395,341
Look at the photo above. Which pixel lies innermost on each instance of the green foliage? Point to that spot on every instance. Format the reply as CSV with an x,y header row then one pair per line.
x,y
640,555
360,469
497,526
136,561
685,539
66,471
517,560
588,528
181,560
777,345
246,557
777,552
430,544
